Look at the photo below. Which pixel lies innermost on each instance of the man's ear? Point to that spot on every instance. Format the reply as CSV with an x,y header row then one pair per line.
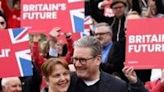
x,y
98,60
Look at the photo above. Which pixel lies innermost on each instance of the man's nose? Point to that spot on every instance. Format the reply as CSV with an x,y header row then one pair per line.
x,y
77,63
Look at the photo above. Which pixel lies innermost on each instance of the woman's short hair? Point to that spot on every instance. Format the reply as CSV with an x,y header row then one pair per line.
x,y
48,66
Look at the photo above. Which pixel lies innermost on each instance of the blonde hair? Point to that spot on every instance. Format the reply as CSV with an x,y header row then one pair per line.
x,y
44,47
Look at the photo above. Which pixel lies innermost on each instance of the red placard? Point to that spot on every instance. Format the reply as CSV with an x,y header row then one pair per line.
x,y
44,15
145,43
15,59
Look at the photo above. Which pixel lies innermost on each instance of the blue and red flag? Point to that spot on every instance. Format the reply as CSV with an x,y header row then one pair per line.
x,y
15,58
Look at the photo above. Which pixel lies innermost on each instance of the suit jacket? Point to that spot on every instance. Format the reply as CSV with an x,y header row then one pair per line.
x,y
109,66
114,62
137,87
117,53
107,83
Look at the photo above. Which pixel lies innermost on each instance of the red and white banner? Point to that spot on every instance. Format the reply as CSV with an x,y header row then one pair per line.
x,y
44,15
15,58
145,43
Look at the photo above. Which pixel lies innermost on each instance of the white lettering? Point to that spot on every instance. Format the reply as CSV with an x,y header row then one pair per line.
x,y
131,39
40,15
44,7
4,53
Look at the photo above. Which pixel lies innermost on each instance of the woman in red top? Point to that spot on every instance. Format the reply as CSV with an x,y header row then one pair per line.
x,y
12,14
40,52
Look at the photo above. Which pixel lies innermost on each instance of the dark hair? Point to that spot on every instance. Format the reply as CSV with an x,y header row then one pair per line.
x,y
2,14
15,2
118,1
160,6
136,6
65,49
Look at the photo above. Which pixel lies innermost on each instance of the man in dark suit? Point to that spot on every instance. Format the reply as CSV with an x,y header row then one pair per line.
x,y
117,24
111,61
88,77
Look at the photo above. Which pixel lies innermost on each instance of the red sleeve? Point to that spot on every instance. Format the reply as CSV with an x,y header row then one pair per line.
x,y
148,85
70,50
37,58
155,86
5,7
161,86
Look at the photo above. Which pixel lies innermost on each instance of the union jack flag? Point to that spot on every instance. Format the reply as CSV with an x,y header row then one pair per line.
x,y
88,26
18,62
77,19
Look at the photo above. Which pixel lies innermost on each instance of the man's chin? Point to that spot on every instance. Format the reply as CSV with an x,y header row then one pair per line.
x,y
81,75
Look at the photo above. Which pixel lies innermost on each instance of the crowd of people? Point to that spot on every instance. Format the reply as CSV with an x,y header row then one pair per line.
x,y
92,63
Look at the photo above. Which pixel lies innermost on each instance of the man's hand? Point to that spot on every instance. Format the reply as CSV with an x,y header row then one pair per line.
x,y
68,35
130,74
103,4
55,32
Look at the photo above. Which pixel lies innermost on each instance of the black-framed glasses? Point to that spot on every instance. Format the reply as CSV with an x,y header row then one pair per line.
x,y
118,7
82,61
96,34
